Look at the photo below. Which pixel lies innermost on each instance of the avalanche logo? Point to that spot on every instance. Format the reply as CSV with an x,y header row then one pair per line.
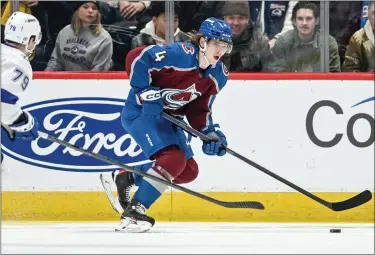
x,y
91,123
225,69
176,98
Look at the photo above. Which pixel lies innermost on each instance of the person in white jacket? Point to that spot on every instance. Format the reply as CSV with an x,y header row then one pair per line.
x,y
155,30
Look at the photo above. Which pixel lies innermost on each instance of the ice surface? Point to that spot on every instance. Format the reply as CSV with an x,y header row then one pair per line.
x,y
168,238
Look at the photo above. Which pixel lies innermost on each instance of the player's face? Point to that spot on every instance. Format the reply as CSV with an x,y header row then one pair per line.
x,y
238,23
88,13
215,50
371,15
305,22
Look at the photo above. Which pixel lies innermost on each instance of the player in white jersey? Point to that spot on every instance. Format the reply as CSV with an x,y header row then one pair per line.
x,y
21,34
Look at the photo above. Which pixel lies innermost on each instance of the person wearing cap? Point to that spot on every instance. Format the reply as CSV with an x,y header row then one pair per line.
x,y
250,48
83,45
155,30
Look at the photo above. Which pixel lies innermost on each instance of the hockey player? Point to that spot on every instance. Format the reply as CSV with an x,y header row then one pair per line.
x,y
183,79
21,34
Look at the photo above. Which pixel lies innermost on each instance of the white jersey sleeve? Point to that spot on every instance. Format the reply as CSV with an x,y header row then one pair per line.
x,y
15,77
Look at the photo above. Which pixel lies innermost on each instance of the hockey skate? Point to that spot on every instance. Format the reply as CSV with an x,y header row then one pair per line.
x,y
134,219
124,181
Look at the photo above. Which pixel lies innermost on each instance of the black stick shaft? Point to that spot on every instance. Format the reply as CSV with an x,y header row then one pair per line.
x,y
241,204
355,201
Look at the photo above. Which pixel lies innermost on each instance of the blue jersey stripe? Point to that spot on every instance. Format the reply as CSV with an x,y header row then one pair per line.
x,y
7,97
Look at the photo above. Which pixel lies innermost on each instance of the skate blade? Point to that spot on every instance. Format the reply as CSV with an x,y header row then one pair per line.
x,y
134,227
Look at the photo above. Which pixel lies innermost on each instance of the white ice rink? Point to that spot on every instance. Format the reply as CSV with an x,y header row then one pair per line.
x,y
164,238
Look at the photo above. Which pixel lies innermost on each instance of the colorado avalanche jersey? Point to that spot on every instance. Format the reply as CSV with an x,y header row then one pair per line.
x,y
186,89
16,73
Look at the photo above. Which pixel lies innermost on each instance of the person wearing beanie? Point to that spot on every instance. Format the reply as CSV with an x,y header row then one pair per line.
x,y
154,31
250,48
237,13
83,45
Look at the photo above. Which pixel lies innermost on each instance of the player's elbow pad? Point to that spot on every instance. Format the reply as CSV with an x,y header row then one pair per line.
x,y
152,102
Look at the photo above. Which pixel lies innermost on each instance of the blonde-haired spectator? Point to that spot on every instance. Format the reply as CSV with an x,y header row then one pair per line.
x,y
84,45
360,53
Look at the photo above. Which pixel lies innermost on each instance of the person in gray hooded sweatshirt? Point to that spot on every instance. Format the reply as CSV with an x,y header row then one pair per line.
x,y
154,31
83,45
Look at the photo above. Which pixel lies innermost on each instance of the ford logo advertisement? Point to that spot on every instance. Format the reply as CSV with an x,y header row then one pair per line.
x,y
90,123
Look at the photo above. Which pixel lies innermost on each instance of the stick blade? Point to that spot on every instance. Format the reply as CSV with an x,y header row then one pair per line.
x,y
244,204
353,202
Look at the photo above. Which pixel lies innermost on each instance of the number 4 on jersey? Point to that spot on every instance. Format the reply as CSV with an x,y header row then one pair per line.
x,y
160,55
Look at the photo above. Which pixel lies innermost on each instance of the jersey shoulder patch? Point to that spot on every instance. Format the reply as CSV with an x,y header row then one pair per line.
x,y
184,48
225,69
188,48
219,75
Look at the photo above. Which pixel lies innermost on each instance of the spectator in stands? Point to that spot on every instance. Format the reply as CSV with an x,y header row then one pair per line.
x,y
272,17
23,6
364,15
154,31
250,47
344,21
195,12
83,45
123,14
298,50
6,11
129,9
360,55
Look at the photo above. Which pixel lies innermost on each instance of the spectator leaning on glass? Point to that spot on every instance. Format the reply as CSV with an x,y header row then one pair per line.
x,y
129,9
250,47
155,30
272,17
83,45
298,50
360,54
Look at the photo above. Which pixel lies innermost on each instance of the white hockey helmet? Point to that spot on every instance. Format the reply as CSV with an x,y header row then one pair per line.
x,y
20,27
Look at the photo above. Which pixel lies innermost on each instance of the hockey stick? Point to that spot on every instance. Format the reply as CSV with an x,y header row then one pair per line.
x,y
240,204
350,203
108,191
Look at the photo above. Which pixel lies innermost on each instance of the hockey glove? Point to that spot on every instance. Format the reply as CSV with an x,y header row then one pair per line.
x,y
25,127
152,102
214,147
